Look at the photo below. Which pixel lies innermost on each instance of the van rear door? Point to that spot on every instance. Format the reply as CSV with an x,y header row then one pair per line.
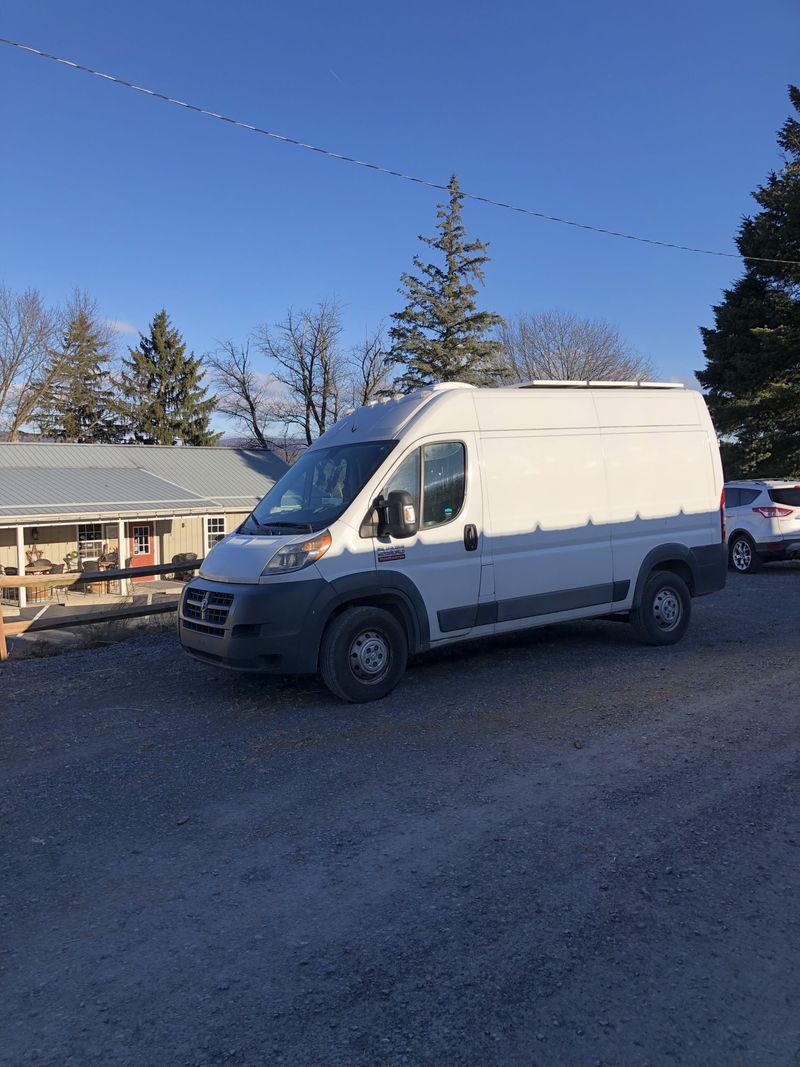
x,y
443,559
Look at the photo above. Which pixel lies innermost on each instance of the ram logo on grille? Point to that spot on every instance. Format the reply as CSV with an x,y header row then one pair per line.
x,y
207,606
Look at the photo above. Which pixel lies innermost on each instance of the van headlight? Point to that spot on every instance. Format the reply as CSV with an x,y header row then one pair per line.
x,y
299,554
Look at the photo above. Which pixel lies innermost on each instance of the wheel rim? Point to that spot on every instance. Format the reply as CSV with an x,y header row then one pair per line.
x,y
667,609
369,656
741,554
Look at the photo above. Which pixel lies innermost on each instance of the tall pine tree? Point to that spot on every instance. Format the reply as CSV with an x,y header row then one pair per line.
x,y
162,398
79,405
752,372
440,336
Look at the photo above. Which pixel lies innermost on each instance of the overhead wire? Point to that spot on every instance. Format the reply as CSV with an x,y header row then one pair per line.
x,y
342,157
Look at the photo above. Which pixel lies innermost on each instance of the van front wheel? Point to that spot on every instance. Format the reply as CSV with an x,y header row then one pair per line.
x,y
664,609
363,654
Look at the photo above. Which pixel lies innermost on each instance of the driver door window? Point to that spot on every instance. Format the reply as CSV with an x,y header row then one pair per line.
x,y
406,477
443,469
443,482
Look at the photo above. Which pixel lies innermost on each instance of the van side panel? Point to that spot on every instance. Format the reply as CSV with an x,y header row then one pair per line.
x,y
548,525
528,409
662,474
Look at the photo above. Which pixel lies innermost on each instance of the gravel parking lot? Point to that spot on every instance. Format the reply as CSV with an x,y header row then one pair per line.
x,y
562,848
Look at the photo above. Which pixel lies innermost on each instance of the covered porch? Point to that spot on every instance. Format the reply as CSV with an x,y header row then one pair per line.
x,y
68,548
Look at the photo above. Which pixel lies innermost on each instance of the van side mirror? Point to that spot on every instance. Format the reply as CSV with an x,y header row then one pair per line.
x,y
397,515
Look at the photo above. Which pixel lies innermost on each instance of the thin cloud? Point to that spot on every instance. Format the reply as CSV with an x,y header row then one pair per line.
x,y
121,326
335,75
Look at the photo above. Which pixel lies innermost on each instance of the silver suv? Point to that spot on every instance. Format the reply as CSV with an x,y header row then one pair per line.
x,y
763,522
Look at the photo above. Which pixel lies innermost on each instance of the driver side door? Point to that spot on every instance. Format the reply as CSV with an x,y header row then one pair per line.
x,y
443,558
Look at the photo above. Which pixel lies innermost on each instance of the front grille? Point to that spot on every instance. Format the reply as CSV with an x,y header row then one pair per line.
x,y
201,628
207,606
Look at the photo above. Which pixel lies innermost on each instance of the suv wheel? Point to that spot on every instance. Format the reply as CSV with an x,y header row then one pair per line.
x,y
363,654
664,610
742,555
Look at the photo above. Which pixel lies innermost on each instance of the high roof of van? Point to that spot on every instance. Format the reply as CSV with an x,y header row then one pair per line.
x,y
451,407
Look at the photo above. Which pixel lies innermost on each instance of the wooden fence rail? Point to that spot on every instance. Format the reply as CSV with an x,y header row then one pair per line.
x,y
69,580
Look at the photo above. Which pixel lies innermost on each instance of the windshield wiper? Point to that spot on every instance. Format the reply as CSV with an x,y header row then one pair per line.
x,y
288,526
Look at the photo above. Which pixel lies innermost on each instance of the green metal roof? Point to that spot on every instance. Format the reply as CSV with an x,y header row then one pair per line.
x,y
56,481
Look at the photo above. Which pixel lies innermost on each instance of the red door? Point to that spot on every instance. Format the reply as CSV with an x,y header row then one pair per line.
x,y
142,547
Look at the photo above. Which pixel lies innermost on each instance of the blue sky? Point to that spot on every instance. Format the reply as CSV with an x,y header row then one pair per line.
x,y
654,119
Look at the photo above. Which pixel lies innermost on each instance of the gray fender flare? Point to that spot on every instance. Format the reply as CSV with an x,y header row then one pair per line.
x,y
397,587
663,554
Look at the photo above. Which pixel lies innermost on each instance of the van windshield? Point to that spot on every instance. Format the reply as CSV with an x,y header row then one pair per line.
x,y
318,488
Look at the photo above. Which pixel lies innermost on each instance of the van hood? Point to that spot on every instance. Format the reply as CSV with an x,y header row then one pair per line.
x,y
242,557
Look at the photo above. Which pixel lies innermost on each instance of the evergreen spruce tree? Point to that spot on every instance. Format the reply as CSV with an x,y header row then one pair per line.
x,y
752,371
440,336
162,397
79,405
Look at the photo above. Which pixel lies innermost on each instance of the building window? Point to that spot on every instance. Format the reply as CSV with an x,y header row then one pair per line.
x,y
90,541
140,535
215,530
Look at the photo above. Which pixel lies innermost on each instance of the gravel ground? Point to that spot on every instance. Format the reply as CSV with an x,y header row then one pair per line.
x,y
561,848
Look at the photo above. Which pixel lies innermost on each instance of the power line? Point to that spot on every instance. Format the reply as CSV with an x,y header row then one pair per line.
x,y
387,170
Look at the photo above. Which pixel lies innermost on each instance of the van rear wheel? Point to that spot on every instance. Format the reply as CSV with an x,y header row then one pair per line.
x,y
363,654
664,609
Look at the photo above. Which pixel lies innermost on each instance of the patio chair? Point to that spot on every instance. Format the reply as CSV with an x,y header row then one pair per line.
x,y
83,566
13,593
56,591
182,576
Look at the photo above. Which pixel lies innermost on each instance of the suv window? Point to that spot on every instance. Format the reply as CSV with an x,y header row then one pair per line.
x,y
790,497
747,496
732,498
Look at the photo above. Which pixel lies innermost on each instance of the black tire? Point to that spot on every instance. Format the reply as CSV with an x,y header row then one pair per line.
x,y
742,555
664,610
363,654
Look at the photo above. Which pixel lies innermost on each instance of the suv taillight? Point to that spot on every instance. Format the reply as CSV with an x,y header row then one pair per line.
x,y
773,513
722,530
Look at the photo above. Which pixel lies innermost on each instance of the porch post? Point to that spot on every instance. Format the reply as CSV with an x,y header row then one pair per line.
x,y
23,592
121,552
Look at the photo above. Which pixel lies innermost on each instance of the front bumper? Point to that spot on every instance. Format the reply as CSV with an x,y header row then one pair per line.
x,y
273,628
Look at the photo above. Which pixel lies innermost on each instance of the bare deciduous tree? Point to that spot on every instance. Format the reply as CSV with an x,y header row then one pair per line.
x,y
303,350
558,345
243,393
306,379
287,447
368,369
29,361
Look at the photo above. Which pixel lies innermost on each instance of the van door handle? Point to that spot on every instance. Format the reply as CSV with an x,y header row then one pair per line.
x,y
470,537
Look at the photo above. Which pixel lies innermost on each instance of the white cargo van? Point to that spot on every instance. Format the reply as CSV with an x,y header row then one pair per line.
x,y
454,513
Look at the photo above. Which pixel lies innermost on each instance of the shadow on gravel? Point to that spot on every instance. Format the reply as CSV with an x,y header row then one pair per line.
x,y
562,647
717,629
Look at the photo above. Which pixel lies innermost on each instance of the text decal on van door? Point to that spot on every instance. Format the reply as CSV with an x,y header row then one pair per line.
x,y
388,555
